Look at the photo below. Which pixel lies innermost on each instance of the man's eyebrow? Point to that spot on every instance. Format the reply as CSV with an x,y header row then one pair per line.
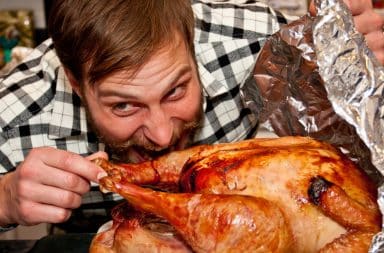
x,y
113,92
179,74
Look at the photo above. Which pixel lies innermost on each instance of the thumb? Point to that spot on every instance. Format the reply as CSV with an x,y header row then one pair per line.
x,y
99,154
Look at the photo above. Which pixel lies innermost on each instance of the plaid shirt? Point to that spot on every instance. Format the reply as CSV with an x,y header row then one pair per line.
x,y
38,107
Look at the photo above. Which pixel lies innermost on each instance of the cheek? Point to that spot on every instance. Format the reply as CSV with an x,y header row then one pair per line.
x,y
107,124
189,107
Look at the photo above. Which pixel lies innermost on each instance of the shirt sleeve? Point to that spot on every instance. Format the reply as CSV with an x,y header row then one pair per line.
x,y
6,163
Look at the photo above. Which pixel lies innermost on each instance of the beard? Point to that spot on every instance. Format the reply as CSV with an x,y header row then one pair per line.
x,y
138,148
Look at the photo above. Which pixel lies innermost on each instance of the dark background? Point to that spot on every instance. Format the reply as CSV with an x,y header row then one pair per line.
x,y
41,34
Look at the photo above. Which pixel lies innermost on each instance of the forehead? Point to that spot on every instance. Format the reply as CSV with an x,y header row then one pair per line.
x,y
175,48
163,68
131,58
172,55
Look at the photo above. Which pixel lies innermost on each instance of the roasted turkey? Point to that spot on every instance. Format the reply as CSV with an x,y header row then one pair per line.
x,y
289,194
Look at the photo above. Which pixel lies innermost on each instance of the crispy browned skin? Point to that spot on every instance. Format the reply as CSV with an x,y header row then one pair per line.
x,y
290,194
138,232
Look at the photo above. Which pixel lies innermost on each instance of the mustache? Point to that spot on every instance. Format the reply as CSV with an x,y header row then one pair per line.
x,y
142,143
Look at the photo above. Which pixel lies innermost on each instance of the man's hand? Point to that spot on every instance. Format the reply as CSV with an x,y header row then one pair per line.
x,y
46,187
367,22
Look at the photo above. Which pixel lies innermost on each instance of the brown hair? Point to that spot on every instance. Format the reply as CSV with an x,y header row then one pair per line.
x,y
95,38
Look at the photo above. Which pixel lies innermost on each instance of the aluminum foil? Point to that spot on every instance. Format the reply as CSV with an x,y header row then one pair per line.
x,y
352,76
354,81
291,98
316,77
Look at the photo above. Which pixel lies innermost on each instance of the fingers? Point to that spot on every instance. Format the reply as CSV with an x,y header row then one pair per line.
x,y
375,41
20,202
46,186
49,195
356,7
99,154
67,161
368,22
51,176
32,213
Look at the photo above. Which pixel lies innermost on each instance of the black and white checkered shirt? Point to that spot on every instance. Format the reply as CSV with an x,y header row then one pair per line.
x,y
38,107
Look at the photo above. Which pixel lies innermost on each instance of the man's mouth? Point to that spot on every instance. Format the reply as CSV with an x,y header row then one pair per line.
x,y
138,154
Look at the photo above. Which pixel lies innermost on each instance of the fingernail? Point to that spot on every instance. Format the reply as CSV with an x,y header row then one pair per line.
x,y
101,175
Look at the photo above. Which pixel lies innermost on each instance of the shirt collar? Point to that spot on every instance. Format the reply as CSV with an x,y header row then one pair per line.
x,y
216,80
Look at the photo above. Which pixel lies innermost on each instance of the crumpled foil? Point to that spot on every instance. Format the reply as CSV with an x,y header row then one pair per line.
x,y
291,97
316,77
353,78
354,81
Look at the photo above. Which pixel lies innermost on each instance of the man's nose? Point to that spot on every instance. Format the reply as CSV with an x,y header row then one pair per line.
x,y
159,128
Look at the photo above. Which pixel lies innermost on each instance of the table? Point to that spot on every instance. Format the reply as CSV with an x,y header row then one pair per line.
x,y
73,243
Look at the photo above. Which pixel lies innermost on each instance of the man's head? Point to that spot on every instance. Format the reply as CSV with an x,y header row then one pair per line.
x,y
132,63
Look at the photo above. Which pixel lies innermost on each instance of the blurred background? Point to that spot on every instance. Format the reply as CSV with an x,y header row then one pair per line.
x,y
23,26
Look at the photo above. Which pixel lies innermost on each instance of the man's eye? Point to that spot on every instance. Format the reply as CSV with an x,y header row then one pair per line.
x,y
177,92
124,109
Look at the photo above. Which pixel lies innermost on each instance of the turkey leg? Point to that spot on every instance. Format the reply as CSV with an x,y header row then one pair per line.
x,y
363,221
214,222
167,168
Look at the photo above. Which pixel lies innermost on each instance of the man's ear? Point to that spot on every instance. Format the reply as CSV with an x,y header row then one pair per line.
x,y
74,83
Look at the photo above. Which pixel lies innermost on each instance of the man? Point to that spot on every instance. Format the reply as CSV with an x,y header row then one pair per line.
x,y
133,76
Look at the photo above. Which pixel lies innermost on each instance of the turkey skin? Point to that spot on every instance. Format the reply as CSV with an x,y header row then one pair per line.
x,y
288,194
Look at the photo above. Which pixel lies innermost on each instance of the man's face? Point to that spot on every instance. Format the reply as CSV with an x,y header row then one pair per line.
x,y
151,112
